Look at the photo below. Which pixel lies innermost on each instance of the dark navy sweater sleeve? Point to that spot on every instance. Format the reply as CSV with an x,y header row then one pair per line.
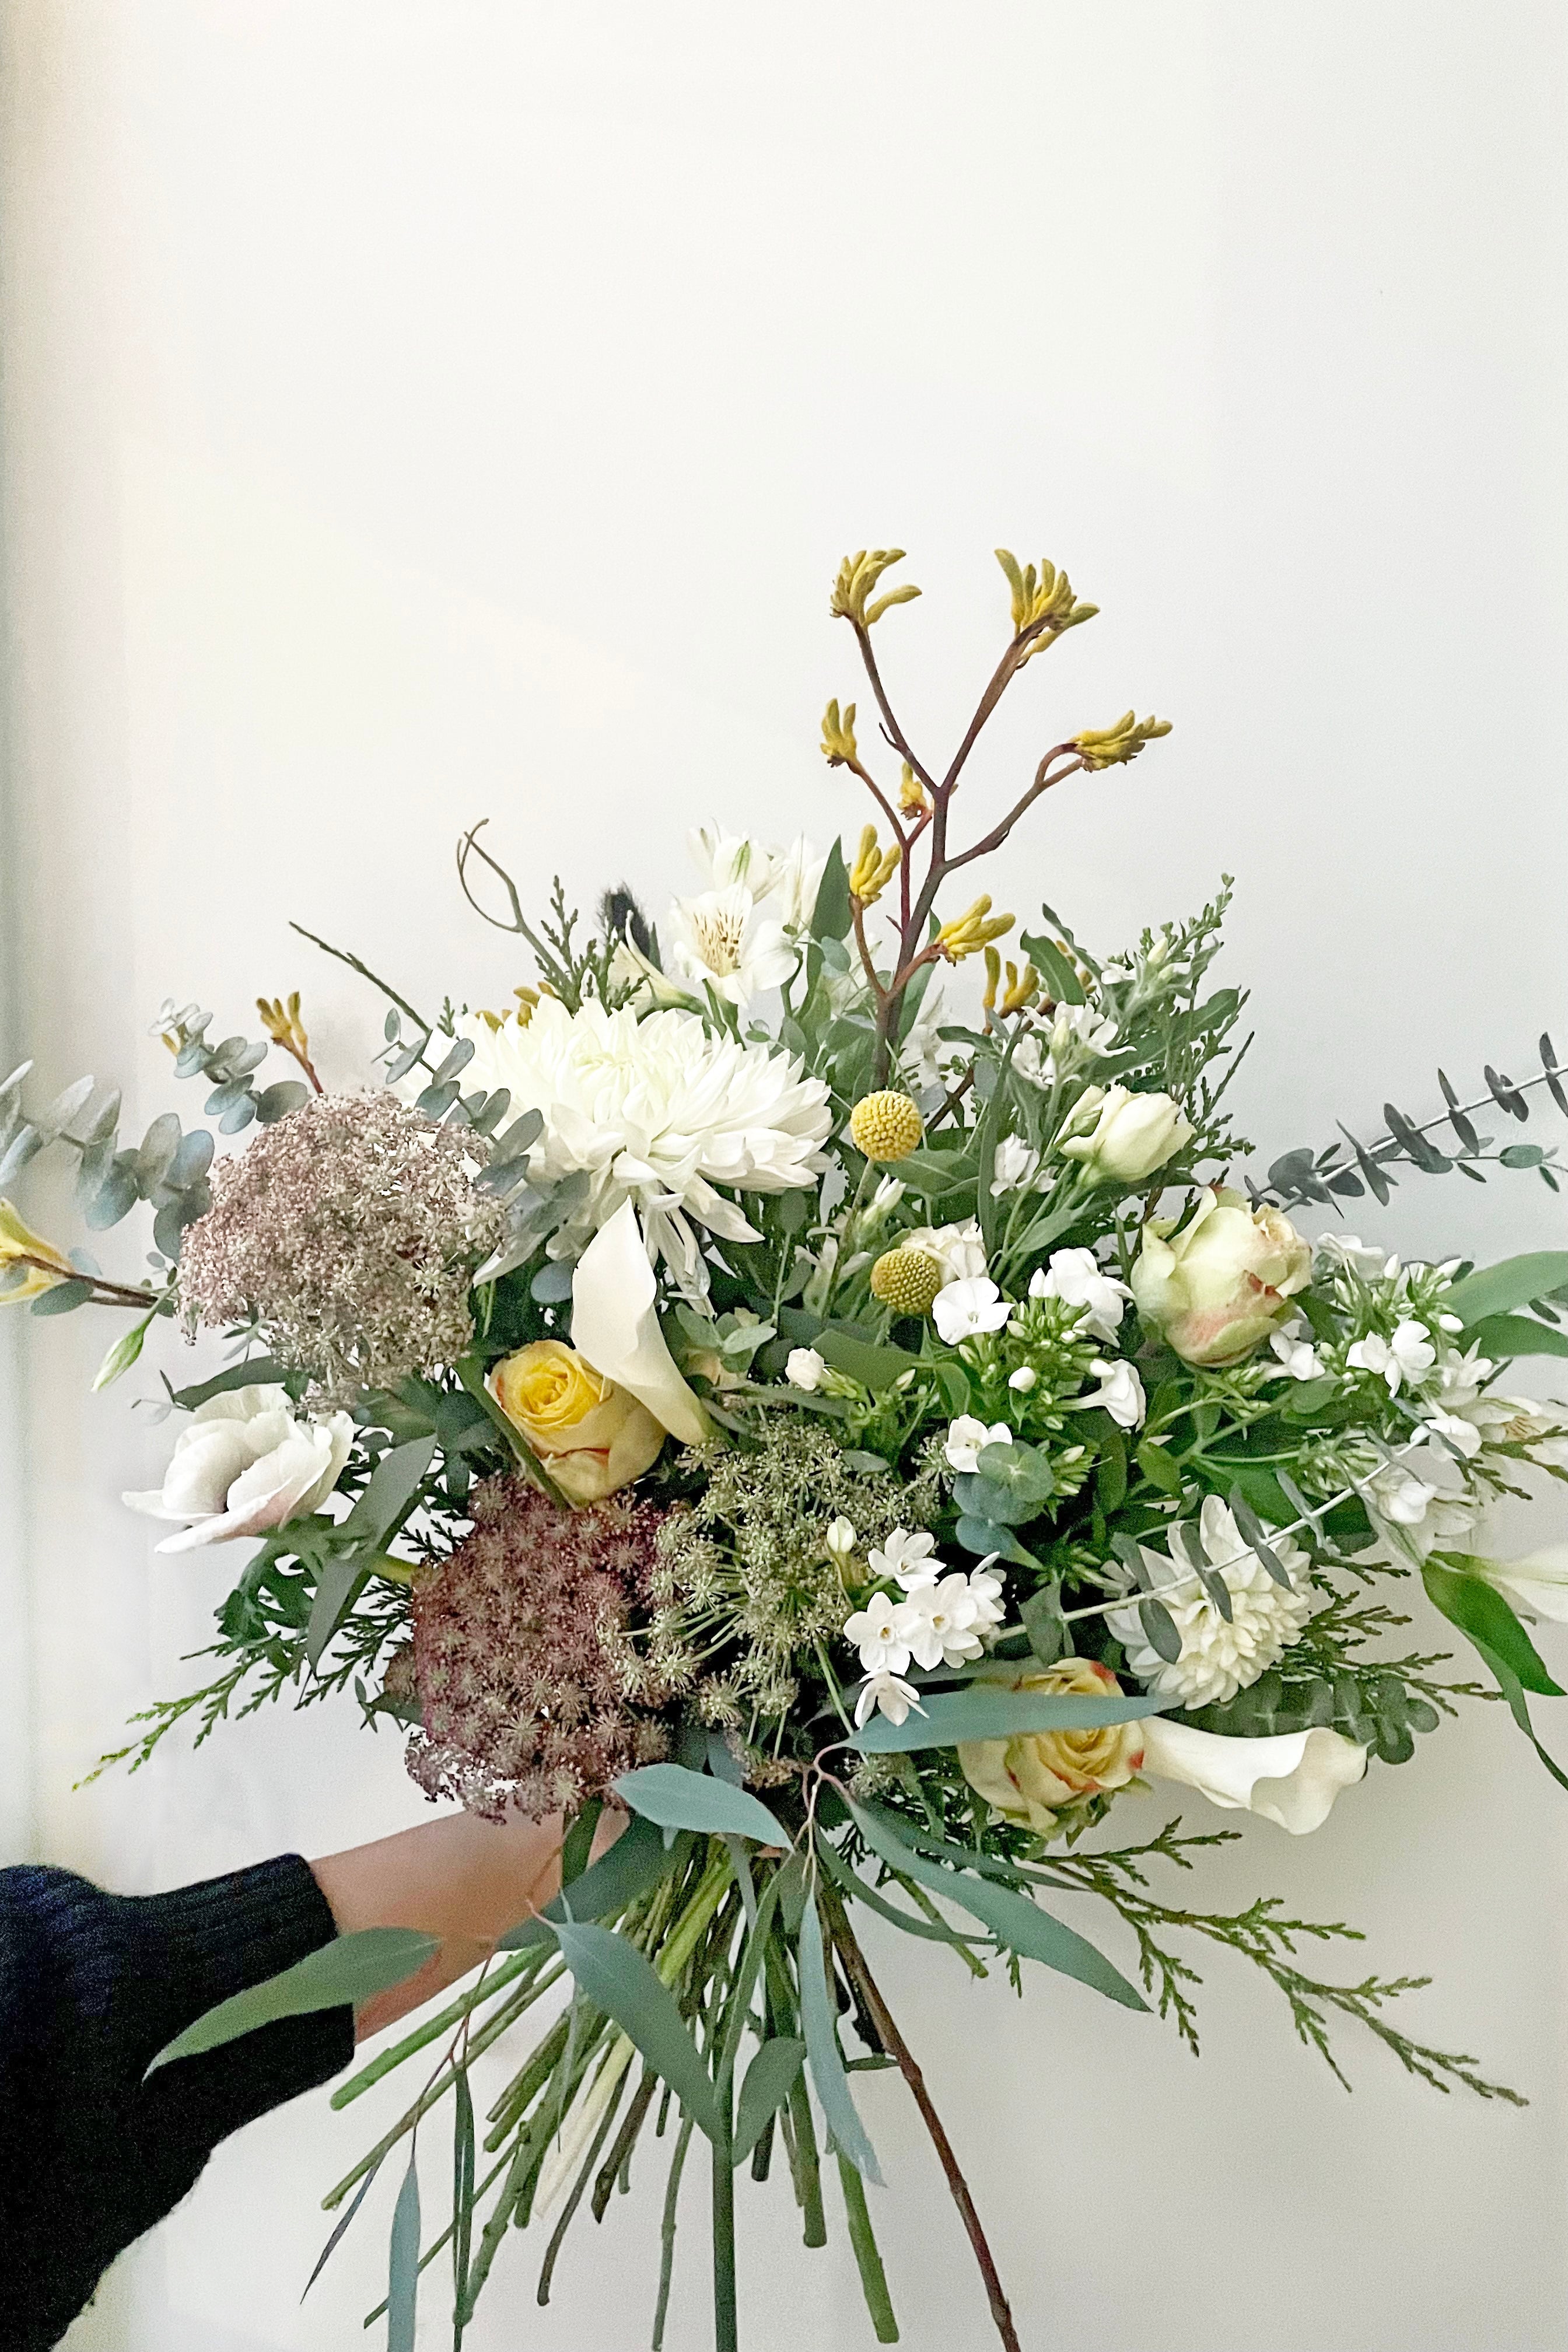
x,y
91,1988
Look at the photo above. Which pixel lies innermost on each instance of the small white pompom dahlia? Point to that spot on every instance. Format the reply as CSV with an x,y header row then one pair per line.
x,y
1217,1658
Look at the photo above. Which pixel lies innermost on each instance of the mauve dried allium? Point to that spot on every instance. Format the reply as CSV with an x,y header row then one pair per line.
x,y
351,1231
515,1636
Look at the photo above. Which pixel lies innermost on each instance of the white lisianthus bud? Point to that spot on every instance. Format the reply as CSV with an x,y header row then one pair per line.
x,y
245,1464
1122,1138
1221,1283
804,1369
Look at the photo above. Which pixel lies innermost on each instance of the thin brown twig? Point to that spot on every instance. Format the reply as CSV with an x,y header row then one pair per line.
x,y
899,2049
104,1292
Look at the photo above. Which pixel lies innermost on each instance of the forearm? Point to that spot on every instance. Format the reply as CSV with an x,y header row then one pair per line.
x,y
463,1879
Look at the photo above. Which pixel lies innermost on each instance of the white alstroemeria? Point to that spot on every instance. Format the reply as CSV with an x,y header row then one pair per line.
x,y
804,1369
962,1311
905,1558
1534,1423
1538,1583
987,1588
1459,1431
1293,1779
244,1464
1119,1393
1298,1360
1017,1164
965,1438
877,1632
958,1250
615,1324
724,858
1349,1250
797,878
721,942
888,1692
658,1110
840,1537
1219,1654
939,1622
1024,1378
1077,1279
1409,1356
1079,1034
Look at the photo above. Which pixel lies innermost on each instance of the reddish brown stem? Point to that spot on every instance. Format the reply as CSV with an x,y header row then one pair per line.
x,y
899,2049
858,916
104,1293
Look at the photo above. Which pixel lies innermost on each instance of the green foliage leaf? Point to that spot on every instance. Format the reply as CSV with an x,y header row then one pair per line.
x,y
638,1860
1158,1466
63,1298
613,1975
984,1536
1513,1282
831,914
342,1974
817,2016
1485,1618
770,2078
403,2264
256,1371
1013,1918
874,1366
995,1713
679,1800
1516,1335
1061,980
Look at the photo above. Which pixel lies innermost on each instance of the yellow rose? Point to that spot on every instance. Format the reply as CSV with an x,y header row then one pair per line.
x,y
1030,1777
591,1435
18,1243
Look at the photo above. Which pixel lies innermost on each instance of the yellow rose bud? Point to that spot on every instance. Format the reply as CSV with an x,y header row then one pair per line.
x,y
886,1126
35,1262
1031,1777
591,1436
906,1280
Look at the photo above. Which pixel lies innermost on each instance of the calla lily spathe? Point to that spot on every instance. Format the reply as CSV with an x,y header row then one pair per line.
x,y
614,1323
1291,1778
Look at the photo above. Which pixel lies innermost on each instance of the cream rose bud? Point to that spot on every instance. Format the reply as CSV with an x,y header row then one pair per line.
x,y
1122,1138
1031,1777
803,1370
244,1465
591,1436
1223,1282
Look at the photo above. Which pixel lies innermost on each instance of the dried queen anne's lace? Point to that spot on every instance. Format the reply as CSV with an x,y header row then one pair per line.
x,y
350,1231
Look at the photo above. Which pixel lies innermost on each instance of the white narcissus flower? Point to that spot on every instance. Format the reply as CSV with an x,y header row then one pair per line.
x,y
1218,1284
244,1463
656,1110
987,1588
1119,1393
1298,1360
1016,1164
939,1623
958,1250
1409,1356
1218,1657
1122,1138
905,1558
878,1632
967,1436
965,1309
889,1692
1076,1278
804,1369
721,942
1293,1779
1538,1583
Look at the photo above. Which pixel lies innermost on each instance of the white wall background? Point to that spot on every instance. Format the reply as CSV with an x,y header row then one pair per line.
x,y
412,411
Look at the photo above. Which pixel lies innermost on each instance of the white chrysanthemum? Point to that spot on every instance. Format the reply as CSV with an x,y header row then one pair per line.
x,y
1218,1659
659,1111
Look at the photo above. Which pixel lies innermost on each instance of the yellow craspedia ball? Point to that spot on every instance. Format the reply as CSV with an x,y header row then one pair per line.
x,y
885,1127
906,1280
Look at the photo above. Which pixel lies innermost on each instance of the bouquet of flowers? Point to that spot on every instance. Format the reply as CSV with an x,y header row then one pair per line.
x,y
855,1420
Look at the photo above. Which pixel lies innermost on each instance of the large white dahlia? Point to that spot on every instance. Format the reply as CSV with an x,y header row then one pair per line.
x,y
659,1111
1219,1658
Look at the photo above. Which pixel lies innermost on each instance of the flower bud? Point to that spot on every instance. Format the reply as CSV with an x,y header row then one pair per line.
x,y
1224,1282
1122,1138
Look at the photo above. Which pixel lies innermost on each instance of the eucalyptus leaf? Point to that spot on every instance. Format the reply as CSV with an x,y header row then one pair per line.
x,y
770,2078
62,1297
679,1800
613,1974
403,2264
949,1716
1499,1335
638,1860
1485,1618
818,2018
340,1975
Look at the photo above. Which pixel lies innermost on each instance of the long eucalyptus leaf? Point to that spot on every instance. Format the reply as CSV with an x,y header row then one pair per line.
x,y
1513,1282
340,1975
613,1974
638,1860
770,2078
402,2266
827,2074
679,1800
975,1714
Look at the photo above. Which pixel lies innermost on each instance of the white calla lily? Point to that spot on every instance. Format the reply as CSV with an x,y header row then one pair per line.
x,y
614,1323
1291,1778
